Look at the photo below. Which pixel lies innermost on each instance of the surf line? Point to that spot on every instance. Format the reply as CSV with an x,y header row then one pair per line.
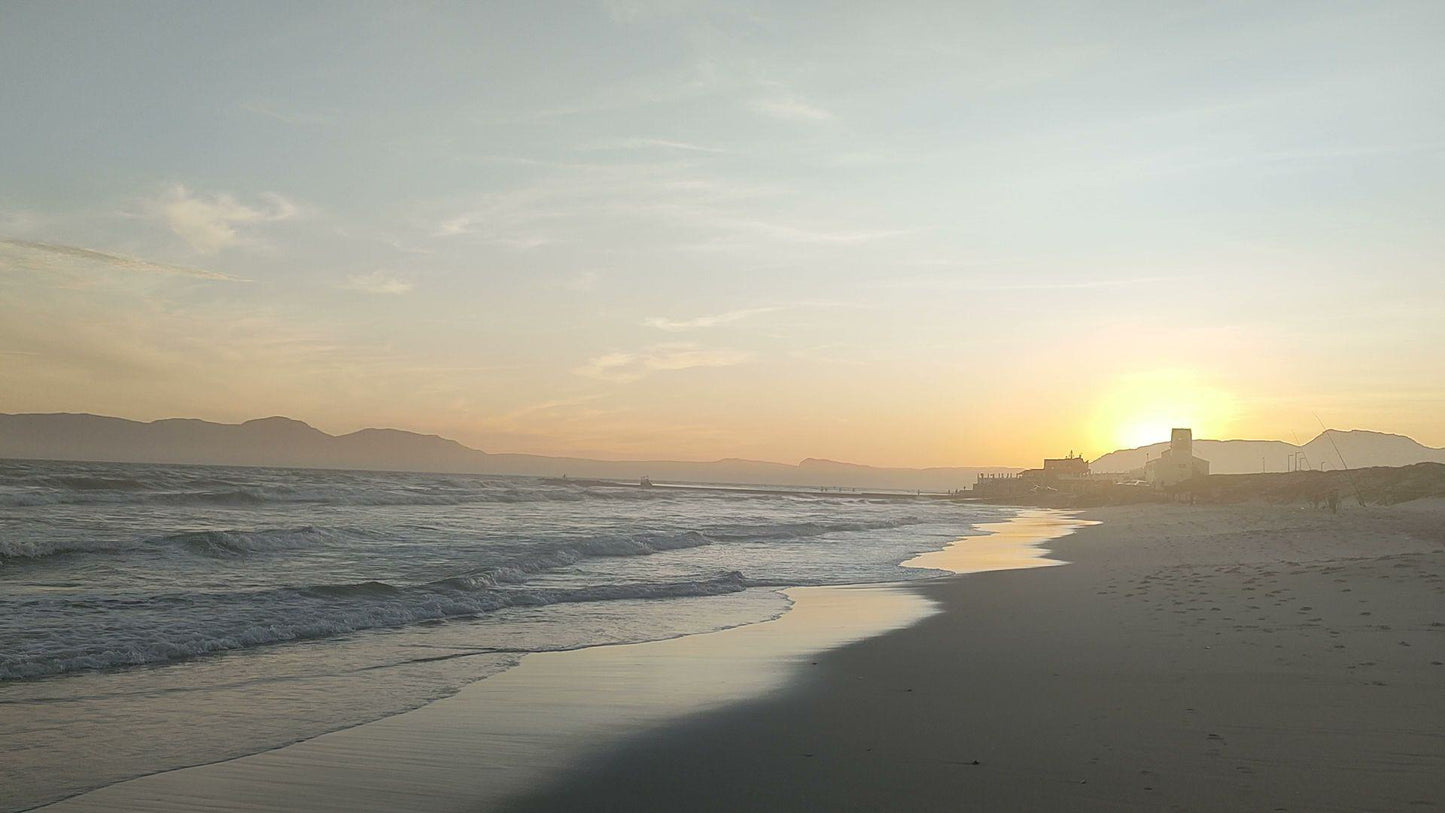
x,y
513,731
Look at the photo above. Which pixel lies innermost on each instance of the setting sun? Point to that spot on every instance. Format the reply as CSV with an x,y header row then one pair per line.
x,y
1140,409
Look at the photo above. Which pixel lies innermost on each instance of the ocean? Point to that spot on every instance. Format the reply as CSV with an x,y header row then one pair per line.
x,y
153,617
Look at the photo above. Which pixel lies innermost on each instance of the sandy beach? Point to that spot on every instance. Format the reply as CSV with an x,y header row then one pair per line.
x,y
1187,658
1190,658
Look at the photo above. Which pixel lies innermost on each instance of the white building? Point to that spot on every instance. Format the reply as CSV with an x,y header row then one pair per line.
x,y
1177,463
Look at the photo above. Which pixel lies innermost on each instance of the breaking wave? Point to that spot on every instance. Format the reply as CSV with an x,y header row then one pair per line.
x,y
240,543
229,543
118,565
214,543
172,490
321,611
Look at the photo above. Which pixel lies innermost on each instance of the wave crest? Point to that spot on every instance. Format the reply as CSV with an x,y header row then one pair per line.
x,y
239,543
325,611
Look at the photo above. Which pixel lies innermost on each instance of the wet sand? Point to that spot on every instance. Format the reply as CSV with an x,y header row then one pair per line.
x,y
1212,658
525,728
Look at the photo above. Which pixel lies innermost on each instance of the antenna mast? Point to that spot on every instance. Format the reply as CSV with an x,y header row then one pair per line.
x,y
1348,474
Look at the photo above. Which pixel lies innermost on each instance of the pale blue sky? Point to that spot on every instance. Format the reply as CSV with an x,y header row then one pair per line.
x,y
897,234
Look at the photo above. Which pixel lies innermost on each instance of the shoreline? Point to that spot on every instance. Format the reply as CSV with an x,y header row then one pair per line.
x,y
1190,658
516,731
1014,544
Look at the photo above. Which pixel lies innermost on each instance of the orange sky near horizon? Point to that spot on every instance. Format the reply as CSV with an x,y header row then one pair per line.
x,y
923,236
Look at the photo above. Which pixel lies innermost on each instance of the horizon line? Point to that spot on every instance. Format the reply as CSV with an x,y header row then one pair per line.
x,y
660,460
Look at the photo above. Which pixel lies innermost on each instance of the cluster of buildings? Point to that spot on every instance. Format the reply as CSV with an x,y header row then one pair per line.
x,y
1177,463
1071,474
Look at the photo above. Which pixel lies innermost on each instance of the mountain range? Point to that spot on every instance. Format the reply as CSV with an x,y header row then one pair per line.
x,y
285,442
1332,448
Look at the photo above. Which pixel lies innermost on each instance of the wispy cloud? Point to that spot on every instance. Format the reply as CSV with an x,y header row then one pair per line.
x,y
496,226
1073,285
49,257
379,282
548,209
733,233
286,114
549,406
963,284
656,143
789,108
209,224
798,234
627,367
675,325
676,204
468,225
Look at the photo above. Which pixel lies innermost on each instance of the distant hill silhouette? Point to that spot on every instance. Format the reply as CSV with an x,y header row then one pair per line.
x,y
1360,449
285,442
279,441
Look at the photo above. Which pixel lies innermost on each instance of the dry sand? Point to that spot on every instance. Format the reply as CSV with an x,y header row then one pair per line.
x,y
1212,658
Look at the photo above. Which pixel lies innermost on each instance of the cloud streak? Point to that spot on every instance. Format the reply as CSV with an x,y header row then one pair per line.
x,y
209,224
289,116
50,257
624,368
379,282
954,284
714,320
790,109
659,144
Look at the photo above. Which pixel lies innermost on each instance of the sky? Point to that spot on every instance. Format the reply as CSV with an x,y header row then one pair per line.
x,y
901,234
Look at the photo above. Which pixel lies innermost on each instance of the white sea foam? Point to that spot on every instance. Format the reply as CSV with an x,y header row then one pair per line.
x,y
155,635
335,578
113,565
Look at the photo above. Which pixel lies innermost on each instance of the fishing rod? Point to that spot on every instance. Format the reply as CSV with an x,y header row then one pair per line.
x,y
1348,474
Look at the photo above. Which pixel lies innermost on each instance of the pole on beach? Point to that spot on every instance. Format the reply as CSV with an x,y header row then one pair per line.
x,y
1346,466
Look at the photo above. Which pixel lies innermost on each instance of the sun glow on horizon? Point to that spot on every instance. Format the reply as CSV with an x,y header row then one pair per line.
x,y
1147,432
1140,409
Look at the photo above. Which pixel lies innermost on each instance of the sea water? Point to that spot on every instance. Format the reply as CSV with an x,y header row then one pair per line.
x,y
153,617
